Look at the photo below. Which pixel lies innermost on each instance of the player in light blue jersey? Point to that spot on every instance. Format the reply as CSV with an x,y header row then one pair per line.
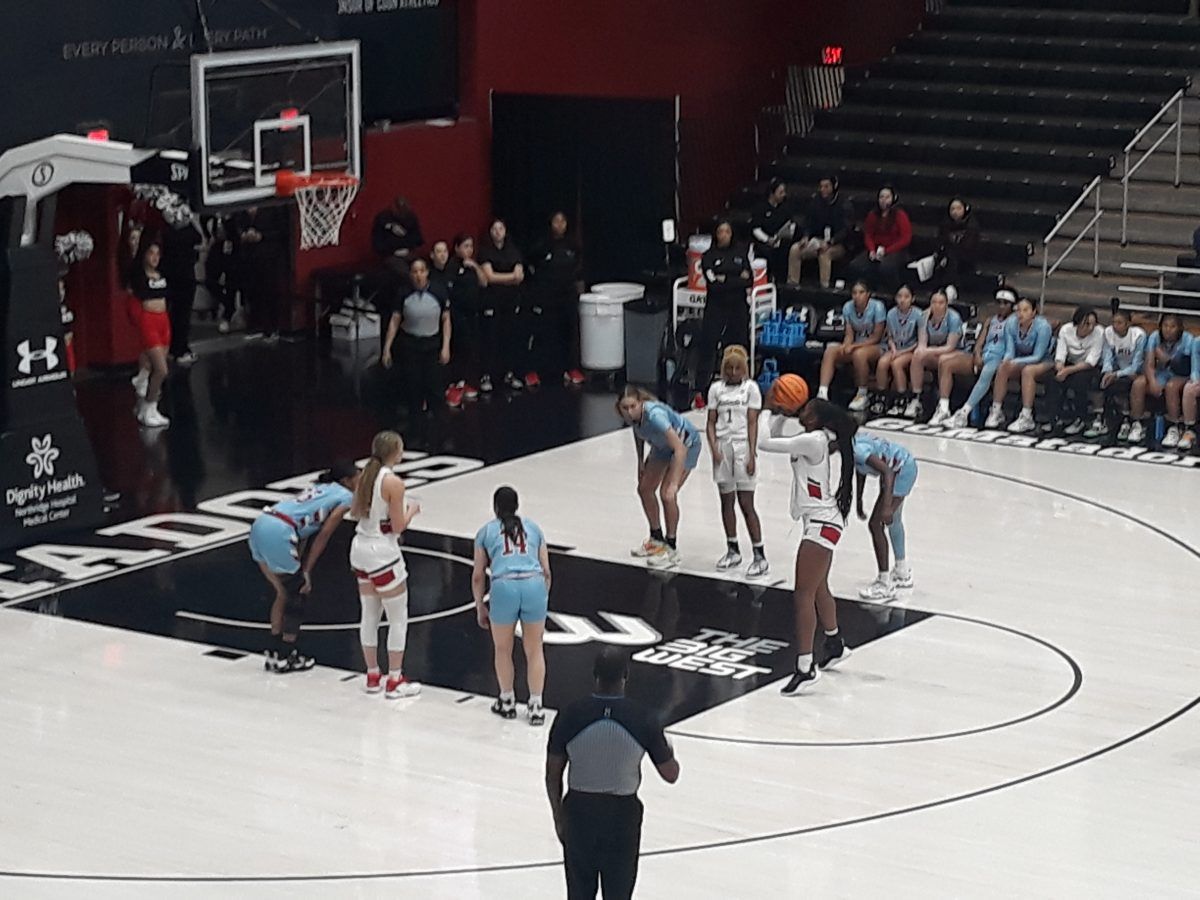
x,y
866,320
277,544
1167,368
896,470
514,550
674,451
938,338
900,340
981,364
1191,396
1027,337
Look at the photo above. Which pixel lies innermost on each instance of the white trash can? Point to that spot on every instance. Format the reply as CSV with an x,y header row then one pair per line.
x,y
625,290
601,332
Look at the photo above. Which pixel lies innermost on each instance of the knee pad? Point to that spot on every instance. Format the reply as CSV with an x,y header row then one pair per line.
x,y
368,626
397,614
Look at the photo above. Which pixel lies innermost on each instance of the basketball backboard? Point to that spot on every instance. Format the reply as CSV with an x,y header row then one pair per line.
x,y
256,112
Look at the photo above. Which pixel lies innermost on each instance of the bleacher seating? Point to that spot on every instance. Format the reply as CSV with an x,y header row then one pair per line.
x,y
1014,104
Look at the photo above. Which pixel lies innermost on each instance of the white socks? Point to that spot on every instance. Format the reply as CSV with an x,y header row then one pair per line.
x,y
822,393
944,404
885,577
901,567
535,701
804,662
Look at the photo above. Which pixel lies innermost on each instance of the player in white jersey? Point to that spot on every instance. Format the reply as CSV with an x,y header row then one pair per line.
x,y
378,564
823,510
734,402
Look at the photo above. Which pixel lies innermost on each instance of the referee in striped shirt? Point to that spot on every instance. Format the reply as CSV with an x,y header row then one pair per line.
x,y
599,822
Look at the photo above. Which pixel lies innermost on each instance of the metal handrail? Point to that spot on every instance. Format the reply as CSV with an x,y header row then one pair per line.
x,y
1162,272
1093,224
1172,270
1160,309
1176,127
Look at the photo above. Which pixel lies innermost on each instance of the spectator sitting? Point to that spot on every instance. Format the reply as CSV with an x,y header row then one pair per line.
x,y
772,225
887,232
396,236
958,243
827,225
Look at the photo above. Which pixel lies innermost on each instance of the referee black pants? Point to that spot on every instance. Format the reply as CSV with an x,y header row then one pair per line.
x,y
603,839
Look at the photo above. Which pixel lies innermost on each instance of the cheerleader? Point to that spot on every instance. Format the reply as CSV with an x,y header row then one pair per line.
x,y
896,470
1164,373
378,564
148,310
823,509
674,452
734,403
277,544
903,323
514,549
937,338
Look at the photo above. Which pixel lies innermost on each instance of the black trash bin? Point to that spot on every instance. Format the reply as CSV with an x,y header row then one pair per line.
x,y
645,322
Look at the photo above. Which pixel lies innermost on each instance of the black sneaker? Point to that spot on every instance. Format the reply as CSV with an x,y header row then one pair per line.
x,y
505,709
801,682
270,660
836,652
295,662
537,715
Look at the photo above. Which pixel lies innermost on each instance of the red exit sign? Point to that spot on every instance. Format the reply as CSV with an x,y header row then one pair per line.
x,y
831,55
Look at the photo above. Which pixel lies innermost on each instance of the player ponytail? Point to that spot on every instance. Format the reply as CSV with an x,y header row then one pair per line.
x,y
385,445
504,503
844,428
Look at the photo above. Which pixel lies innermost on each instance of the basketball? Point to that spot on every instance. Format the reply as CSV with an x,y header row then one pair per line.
x,y
789,393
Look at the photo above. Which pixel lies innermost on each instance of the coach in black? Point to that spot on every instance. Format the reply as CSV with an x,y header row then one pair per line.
x,y
603,738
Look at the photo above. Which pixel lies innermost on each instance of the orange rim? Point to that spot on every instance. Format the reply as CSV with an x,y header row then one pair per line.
x,y
288,182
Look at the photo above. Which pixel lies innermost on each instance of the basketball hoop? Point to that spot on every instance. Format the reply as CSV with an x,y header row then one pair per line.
x,y
323,199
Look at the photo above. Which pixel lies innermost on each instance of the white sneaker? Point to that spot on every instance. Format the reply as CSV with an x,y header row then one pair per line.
x,y
860,401
1076,426
1023,423
149,416
222,327
667,559
485,384
961,419
141,383
514,382
995,419
401,687
731,560
758,567
1171,438
897,408
1137,433
1187,440
650,547
913,410
902,580
941,416
878,590
1097,428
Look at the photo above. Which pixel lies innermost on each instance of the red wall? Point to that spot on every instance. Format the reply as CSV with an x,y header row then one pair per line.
x,y
724,64
724,60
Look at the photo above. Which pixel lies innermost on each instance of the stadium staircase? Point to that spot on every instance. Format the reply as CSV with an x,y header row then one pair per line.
x,y
1017,105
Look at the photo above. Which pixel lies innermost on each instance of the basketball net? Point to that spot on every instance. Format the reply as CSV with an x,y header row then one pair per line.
x,y
323,201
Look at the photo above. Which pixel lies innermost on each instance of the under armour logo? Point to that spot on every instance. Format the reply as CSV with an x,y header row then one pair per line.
x,y
42,456
29,355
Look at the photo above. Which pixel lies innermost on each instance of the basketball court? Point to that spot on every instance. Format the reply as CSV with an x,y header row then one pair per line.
x,y
1018,722
1021,723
